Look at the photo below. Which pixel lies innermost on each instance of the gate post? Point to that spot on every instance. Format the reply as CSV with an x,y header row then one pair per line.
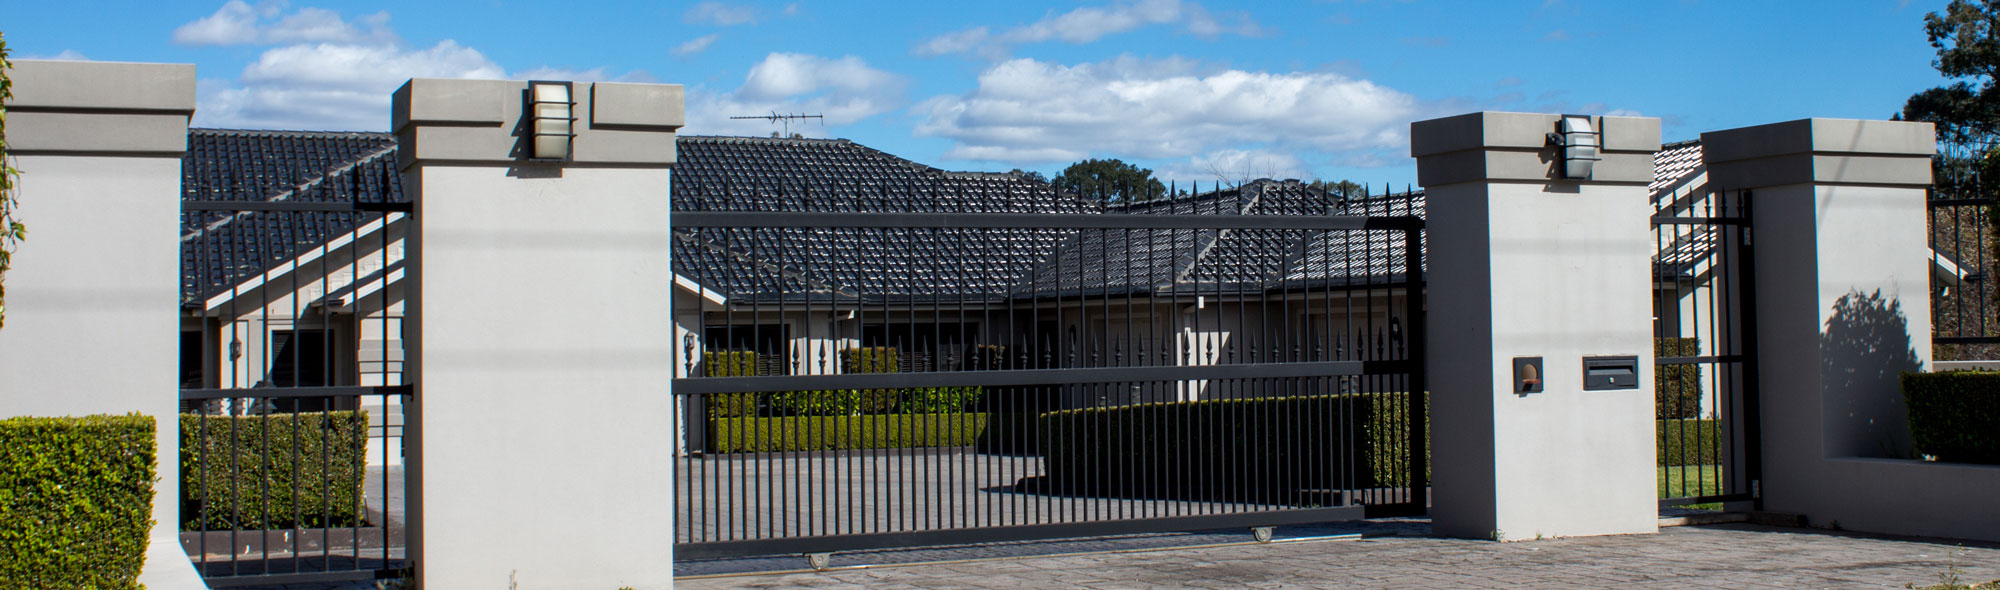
x,y
93,291
541,435
1842,309
1527,263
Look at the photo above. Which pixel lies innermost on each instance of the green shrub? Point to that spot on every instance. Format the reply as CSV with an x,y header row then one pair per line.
x,y
729,363
873,359
1955,416
1676,388
1689,442
1229,449
987,357
76,501
937,400
816,433
272,472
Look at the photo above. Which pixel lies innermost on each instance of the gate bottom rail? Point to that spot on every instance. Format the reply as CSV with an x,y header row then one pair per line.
x,y
832,543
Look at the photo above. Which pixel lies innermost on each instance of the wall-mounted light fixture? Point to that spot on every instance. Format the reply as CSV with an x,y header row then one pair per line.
x,y
551,119
1579,141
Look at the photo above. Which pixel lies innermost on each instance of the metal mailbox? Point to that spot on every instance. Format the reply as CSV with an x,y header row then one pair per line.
x,y
1610,372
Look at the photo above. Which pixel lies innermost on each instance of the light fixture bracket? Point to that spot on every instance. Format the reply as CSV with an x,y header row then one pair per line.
x,y
1580,140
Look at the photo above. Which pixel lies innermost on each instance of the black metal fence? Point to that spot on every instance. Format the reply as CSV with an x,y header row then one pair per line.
x,y
291,388
1965,324
995,360
1704,347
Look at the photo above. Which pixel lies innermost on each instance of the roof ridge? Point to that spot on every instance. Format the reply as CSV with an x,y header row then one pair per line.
x,y
286,194
287,133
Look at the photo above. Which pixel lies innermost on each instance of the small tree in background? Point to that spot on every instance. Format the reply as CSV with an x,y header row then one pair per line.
x,y
1112,180
11,230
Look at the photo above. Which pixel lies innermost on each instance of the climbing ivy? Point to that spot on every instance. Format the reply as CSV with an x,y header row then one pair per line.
x,y
11,230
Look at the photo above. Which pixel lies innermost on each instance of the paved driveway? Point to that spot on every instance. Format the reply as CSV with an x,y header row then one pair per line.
x,y
1715,556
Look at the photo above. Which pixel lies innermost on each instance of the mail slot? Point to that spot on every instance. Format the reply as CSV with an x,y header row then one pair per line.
x,y
1610,372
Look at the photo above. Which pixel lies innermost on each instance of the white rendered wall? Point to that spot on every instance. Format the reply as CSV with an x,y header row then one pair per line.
x,y
1519,271
91,300
543,387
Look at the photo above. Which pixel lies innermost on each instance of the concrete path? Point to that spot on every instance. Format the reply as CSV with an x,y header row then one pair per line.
x,y
1715,556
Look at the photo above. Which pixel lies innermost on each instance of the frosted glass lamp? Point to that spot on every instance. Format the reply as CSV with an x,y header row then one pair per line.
x,y
551,120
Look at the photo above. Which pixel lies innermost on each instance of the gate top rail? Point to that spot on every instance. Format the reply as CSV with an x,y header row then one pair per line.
x,y
757,219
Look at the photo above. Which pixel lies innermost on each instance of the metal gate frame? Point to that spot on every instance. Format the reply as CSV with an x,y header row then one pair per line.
x,y
1717,244
298,553
689,391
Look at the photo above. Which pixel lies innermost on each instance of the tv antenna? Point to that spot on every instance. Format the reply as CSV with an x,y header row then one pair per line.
x,y
785,119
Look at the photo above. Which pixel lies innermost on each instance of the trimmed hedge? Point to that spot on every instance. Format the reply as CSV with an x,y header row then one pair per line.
x,y
1676,388
730,363
275,471
842,402
818,433
1955,416
76,501
1228,450
1689,442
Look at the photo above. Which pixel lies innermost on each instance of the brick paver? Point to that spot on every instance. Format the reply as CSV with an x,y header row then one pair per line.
x,y
1718,556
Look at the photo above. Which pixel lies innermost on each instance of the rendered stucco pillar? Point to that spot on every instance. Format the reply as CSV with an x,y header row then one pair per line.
x,y
94,291
1842,309
542,436
1523,263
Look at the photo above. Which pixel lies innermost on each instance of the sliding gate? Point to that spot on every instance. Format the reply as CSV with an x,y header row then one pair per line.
x,y
903,366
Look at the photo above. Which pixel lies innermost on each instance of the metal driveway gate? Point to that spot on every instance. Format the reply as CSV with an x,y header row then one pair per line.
x,y
1705,348
970,361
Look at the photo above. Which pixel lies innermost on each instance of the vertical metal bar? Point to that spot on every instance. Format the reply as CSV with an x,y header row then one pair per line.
x,y
1417,399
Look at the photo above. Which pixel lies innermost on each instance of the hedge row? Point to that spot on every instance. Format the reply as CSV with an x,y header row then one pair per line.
x,y
843,402
822,433
1676,388
76,501
1955,416
276,471
1228,450
1689,442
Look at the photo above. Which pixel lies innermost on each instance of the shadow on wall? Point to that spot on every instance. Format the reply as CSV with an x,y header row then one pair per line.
x,y
1865,349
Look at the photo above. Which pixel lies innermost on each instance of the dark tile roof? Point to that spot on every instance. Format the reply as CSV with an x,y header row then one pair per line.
x,y
220,249
770,174
1093,261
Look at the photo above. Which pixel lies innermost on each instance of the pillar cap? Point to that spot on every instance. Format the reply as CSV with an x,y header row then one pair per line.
x,y
1500,146
1821,151
479,122
118,108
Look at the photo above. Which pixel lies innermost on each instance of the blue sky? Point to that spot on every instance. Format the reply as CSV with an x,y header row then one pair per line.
x,y
1199,91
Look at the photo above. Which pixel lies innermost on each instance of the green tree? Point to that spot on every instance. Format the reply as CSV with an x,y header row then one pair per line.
x,y
1029,174
11,230
1346,189
1968,55
1112,180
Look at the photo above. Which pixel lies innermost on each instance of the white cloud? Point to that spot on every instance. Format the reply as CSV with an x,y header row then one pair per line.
x,y
717,13
1026,111
1091,23
791,9
331,73
65,55
695,45
844,90
238,23
233,24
